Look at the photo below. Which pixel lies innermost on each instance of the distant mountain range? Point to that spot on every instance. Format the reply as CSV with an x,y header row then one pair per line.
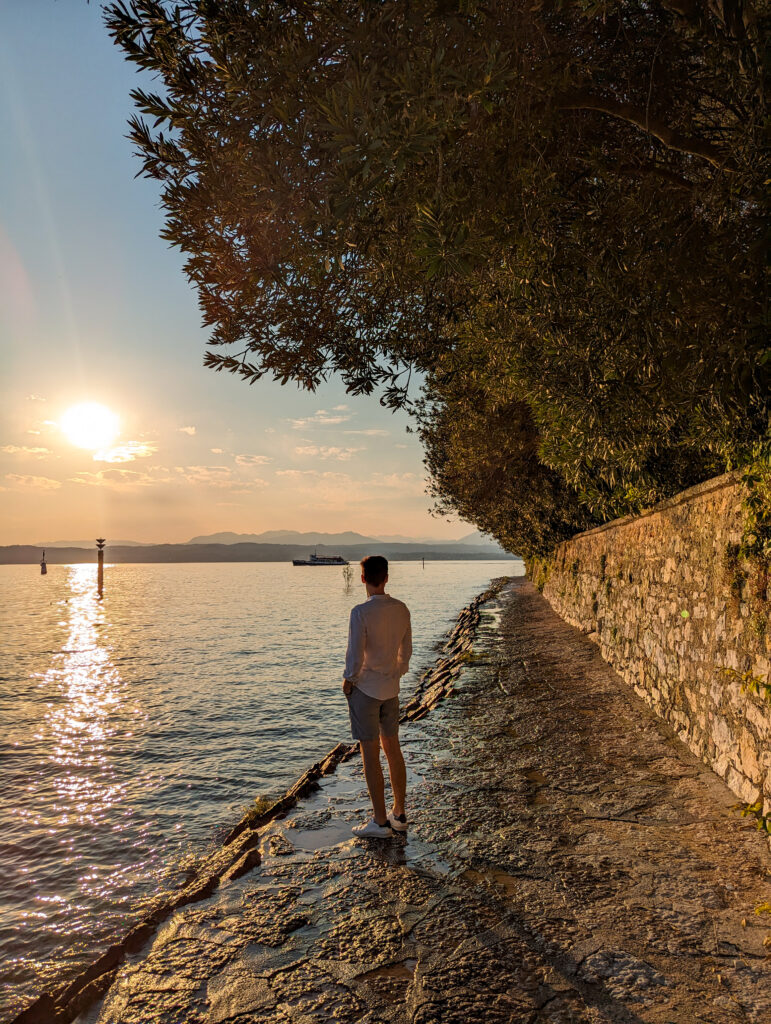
x,y
269,546
475,539
282,546
283,537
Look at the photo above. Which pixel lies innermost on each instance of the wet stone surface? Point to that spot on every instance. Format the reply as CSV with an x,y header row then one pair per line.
x,y
568,862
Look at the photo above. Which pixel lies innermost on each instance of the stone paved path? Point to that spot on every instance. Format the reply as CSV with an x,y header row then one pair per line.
x,y
569,861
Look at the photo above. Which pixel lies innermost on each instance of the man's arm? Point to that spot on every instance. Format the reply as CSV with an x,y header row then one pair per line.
x,y
354,657
405,648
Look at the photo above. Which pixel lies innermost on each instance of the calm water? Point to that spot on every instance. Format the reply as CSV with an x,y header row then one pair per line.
x,y
133,730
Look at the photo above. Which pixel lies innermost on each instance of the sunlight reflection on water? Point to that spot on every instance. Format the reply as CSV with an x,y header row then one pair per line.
x,y
135,728
81,723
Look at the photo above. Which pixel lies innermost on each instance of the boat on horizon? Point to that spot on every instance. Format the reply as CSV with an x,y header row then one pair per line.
x,y
316,559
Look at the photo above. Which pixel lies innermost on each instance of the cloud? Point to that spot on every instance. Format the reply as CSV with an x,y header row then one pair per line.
x,y
187,430
323,418
217,451
122,477
325,451
333,491
35,398
297,473
404,483
126,452
252,460
371,432
14,449
219,477
36,483
215,476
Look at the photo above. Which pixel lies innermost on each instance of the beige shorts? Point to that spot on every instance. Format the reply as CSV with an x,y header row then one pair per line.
x,y
370,717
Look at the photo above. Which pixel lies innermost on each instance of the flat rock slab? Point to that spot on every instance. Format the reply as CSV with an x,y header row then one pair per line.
x,y
569,861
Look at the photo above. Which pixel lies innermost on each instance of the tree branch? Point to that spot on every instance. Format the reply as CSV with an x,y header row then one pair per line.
x,y
581,100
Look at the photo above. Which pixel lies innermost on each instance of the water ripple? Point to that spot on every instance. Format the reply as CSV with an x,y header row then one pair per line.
x,y
135,728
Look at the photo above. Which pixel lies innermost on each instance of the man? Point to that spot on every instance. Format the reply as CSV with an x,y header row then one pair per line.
x,y
379,651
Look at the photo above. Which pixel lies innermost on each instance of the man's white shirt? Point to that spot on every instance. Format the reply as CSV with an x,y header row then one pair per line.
x,y
379,646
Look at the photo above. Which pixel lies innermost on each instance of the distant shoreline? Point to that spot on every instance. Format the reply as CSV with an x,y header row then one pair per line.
x,y
27,554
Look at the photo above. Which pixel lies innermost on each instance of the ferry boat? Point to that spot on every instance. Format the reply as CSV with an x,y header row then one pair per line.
x,y
320,560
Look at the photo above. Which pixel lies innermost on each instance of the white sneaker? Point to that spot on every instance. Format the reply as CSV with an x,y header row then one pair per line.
x,y
371,830
398,822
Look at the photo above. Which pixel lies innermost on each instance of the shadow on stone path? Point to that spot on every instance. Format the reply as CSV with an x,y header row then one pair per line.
x,y
569,861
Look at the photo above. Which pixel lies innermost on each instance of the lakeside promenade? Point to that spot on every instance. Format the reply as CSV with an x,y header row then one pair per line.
x,y
569,861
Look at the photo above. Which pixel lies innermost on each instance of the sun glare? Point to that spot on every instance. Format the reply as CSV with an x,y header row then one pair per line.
x,y
90,425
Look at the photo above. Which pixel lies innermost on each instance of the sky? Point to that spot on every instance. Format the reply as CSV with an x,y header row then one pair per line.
x,y
95,308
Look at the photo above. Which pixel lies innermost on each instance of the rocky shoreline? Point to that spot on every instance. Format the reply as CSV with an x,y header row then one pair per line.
x,y
568,861
240,851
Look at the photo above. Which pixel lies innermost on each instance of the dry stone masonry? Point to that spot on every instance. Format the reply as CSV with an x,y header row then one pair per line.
x,y
684,621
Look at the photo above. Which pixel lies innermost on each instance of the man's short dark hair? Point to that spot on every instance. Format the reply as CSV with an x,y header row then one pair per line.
x,y
375,569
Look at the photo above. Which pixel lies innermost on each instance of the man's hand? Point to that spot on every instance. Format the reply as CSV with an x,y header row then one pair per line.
x,y
347,686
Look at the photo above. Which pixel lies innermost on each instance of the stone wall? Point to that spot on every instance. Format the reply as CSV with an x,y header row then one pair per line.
x,y
683,620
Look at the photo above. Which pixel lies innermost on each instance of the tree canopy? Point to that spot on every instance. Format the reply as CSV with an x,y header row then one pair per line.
x,y
552,211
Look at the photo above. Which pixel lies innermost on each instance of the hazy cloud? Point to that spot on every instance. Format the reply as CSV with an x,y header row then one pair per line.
x,y
252,460
35,398
14,449
187,430
372,432
36,483
217,451
406,483
122,477
296,473
323,418
325,451
219,477
126,452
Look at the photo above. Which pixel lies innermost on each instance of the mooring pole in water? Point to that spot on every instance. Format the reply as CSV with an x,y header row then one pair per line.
x,y
43,566
100,542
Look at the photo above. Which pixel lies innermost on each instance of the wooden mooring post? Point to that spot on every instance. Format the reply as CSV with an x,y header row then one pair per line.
x,y
100,542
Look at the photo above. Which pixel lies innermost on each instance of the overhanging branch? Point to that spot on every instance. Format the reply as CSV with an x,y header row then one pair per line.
x,y
581,100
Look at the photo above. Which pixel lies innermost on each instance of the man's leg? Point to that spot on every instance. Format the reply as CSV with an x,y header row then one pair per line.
x,y
396,769
373,773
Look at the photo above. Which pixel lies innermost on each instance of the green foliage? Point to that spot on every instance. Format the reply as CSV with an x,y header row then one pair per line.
x,y
762,821
510,493
254,811
749,683
553,208
756,537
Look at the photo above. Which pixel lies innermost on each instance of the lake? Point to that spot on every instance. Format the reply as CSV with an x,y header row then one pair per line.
x,y
135,728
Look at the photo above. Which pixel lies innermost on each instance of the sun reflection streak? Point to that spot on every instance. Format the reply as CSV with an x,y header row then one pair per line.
x,y
86,692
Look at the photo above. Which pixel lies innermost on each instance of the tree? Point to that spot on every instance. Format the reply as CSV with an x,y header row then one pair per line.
x,y
568,196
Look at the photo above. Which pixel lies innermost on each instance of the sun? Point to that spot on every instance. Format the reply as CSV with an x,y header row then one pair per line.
x,y
90,425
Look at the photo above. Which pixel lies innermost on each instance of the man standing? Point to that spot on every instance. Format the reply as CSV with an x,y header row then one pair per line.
x,y
379,651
